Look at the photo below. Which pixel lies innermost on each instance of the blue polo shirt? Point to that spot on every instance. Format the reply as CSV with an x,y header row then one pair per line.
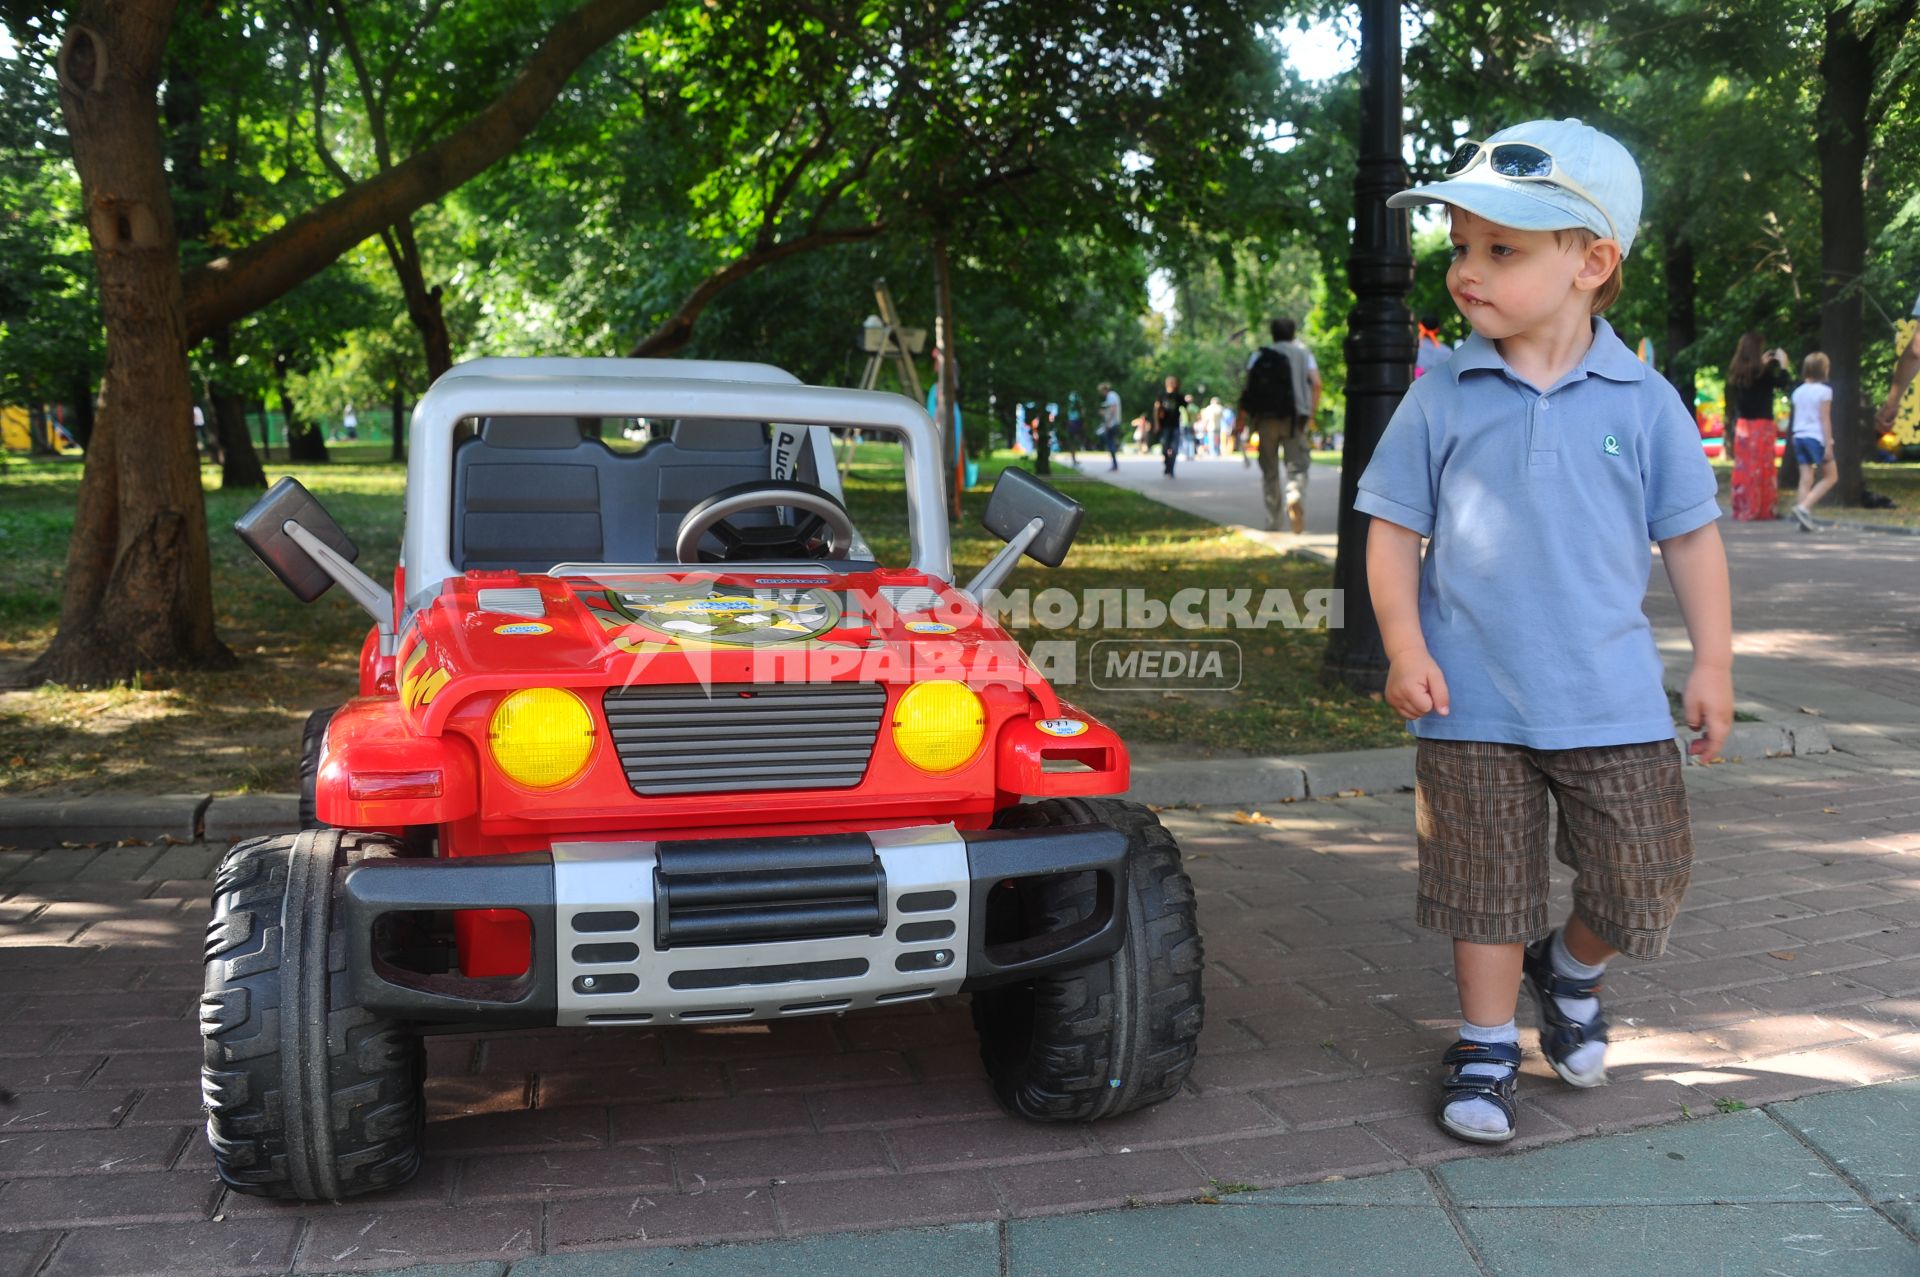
x,y
1541,508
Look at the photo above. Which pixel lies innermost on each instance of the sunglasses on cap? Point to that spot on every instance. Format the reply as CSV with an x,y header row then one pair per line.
x,y
1523,162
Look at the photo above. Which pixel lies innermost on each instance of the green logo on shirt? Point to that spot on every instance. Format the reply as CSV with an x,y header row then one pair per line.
x,y
1612,445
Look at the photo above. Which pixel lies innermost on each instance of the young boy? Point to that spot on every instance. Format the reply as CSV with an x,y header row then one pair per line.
x,y
1540,461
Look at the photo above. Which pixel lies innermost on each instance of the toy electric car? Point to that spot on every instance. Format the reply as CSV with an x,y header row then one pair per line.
x,y
650,738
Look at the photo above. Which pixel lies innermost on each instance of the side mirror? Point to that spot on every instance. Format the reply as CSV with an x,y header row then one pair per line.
x,y
1019,498
291,532
263,528
1031,518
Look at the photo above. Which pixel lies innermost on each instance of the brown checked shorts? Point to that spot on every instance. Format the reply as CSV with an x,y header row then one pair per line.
x,y
1623,828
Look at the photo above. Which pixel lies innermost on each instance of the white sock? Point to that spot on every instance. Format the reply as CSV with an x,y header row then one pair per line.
x,y
1476,1112
1586,1057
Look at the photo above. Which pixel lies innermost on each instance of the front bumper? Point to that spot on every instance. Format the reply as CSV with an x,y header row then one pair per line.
x,y
736,929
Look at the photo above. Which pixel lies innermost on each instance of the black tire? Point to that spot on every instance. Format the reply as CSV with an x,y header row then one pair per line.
x,y
308,1096
312,737
1117,1034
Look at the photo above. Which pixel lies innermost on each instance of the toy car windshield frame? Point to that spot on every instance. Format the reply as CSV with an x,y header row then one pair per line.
x,y
651,388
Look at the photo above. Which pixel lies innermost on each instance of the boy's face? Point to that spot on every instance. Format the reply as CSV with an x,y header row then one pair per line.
x,y
1507,282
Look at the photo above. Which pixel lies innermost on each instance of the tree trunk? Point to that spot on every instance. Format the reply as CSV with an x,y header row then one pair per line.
x,y
1680,363
138,592
423,303
80,420
950,445
305,440
399,405
39,432
1846,82
239,464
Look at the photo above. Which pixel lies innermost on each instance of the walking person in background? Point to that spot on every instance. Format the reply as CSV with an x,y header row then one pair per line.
x,y
1433,349
1211,430
1753,378
1281,396
1110,424
1813,437
1168,411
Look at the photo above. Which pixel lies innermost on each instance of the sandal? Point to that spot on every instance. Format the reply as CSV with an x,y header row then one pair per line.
x,y
1560,1034
1458,1085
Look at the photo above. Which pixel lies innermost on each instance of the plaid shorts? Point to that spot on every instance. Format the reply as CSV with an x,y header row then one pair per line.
x,y
1623,828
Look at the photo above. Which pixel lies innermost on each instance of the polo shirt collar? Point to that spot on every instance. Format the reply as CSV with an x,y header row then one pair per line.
x,y
1607,357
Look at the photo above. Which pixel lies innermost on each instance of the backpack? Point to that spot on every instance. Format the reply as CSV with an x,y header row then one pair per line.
x,y
1268,391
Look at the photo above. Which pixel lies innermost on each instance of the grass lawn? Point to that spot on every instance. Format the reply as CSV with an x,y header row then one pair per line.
x,y
238,731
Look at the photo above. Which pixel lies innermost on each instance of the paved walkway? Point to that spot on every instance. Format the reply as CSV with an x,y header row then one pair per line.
x,y
1795,970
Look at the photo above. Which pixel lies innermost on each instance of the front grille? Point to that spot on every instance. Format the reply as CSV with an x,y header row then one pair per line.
x,y
745,736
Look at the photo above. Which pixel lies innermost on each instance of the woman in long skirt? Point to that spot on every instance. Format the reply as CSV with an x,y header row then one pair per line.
x,y
1753,378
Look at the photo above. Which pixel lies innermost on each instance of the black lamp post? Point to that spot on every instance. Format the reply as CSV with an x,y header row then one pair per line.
x,y
1380,342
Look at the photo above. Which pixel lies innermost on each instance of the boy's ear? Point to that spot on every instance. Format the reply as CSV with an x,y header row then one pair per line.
x,y
1602,258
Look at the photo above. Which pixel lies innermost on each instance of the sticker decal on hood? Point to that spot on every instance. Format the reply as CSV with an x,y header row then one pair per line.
x,y
719,615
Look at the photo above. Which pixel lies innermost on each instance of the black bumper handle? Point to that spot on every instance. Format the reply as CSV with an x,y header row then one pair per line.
x,y
995,855
522,882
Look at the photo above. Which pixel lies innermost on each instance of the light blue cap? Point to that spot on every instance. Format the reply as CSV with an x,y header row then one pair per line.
x,y
1584,153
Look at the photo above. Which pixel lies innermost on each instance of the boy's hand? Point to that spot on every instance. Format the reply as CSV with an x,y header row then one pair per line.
x,y
1708,701
1416,687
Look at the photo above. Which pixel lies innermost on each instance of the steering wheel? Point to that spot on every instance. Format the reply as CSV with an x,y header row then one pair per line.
x,y
824,529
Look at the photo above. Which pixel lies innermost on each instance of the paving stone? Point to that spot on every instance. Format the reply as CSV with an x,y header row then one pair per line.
x,y
1395,1188
147,1068
80,1008
1419,1141
32,1155
1252,1070
116,1036
632,1084
581,1173
60,864
950,1025
58,1072
21,1254
1090,1183
1869,1134
1684,1241
237,1248
958,1250
911,1106
479,1268
727,1214
27,1041
819,1072
363,1237
525,1131
753,1041
466,1095
991,1141
1742,1157
932,1197
778,1158
1894,977
1622,1105
1779,1034
1184,1119
64,1111
1259,1241
1284,1159
107,1200
722,1119
1360,1099
196,861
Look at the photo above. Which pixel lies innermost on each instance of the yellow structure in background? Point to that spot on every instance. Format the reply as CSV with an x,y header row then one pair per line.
x,y
13,430
1906,417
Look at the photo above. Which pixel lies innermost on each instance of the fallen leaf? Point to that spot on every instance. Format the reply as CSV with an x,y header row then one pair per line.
x,y
1817,713
1831,811
1785,955
1352,793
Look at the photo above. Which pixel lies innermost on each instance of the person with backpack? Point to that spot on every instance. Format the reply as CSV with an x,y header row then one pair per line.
x,y
1280,396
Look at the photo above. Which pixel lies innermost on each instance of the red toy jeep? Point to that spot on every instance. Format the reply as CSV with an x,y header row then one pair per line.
x,y
647,737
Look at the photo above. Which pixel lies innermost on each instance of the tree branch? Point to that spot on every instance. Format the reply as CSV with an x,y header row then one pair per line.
x,y
228,288
677,330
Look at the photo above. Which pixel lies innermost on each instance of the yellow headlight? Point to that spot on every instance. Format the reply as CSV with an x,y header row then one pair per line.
x,y
541,737
937,726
